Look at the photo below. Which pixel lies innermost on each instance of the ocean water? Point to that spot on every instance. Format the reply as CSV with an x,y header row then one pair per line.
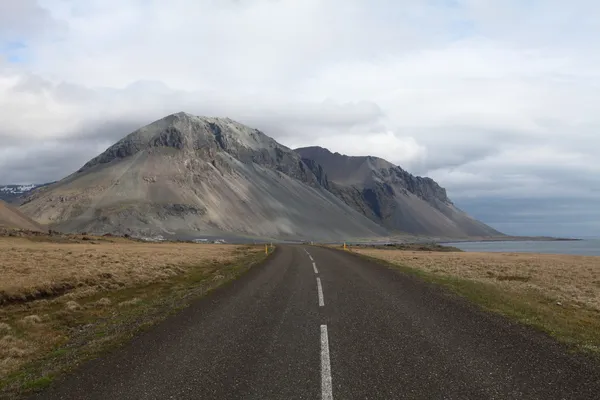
x,y
577,247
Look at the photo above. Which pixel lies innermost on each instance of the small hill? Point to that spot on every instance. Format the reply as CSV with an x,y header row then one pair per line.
x,y
12,218
392,197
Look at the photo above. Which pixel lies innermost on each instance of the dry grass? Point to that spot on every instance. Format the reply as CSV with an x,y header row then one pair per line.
x,y
61,303
559,294
33,270
565,278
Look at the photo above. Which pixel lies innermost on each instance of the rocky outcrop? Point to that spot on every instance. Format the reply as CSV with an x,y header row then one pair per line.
x,y
204,138
392,197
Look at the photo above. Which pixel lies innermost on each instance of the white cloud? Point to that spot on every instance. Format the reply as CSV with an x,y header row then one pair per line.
x,y
24,19
386,145
490,98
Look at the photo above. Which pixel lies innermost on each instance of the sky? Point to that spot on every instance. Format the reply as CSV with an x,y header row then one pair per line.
x,y
496,100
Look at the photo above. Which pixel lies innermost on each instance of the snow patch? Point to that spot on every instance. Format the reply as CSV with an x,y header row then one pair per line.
x,y
17,189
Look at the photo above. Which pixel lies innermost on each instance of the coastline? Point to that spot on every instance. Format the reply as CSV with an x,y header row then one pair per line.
x,y
510,239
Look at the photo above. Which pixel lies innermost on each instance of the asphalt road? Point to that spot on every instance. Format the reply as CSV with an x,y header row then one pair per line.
x,y
316,323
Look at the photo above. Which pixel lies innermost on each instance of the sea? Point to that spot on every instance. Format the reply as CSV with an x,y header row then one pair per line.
x,y
589,247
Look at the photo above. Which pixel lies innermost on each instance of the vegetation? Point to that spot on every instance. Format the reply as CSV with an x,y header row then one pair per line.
x,y
558,294
64,302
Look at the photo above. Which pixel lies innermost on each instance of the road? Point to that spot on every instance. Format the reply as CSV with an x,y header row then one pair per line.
x,y
317,323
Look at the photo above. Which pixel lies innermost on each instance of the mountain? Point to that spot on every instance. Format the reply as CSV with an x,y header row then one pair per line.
x,y
13,219
15,193
185,175
392,197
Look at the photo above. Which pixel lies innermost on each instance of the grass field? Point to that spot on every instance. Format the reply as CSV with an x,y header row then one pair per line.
x,y
64,302
559,294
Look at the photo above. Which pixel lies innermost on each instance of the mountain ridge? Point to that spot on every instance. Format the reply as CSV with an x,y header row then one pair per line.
x,y
13,194
184,173
376,163
391,196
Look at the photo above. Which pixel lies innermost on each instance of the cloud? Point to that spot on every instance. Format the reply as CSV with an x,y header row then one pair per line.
x,y
560,216
387,145
24,19
496,100
62,125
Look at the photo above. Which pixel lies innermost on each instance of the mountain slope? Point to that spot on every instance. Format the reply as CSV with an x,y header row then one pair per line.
x,y
13,219
190,175
388,195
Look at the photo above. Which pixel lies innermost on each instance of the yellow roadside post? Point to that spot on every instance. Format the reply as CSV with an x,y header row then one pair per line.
x,y
266,249
345,247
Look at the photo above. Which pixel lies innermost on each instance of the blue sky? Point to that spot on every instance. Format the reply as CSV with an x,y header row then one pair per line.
x,y
495,100
14,52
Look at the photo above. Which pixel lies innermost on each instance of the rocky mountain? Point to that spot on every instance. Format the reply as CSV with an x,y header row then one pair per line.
x,y
189,175
392,197
12,218
15,193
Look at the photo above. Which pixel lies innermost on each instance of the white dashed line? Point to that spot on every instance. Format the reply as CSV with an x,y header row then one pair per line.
x,y
320,290
326,386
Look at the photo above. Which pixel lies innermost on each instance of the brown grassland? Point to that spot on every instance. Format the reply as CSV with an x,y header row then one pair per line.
x,y
559,294
65,301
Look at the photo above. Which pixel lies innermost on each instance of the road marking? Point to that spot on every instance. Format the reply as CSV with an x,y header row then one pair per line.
x,y
326,386
320,290
309,256
315,268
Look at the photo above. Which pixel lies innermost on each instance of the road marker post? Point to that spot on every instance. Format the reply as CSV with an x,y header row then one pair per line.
x,y
266,249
